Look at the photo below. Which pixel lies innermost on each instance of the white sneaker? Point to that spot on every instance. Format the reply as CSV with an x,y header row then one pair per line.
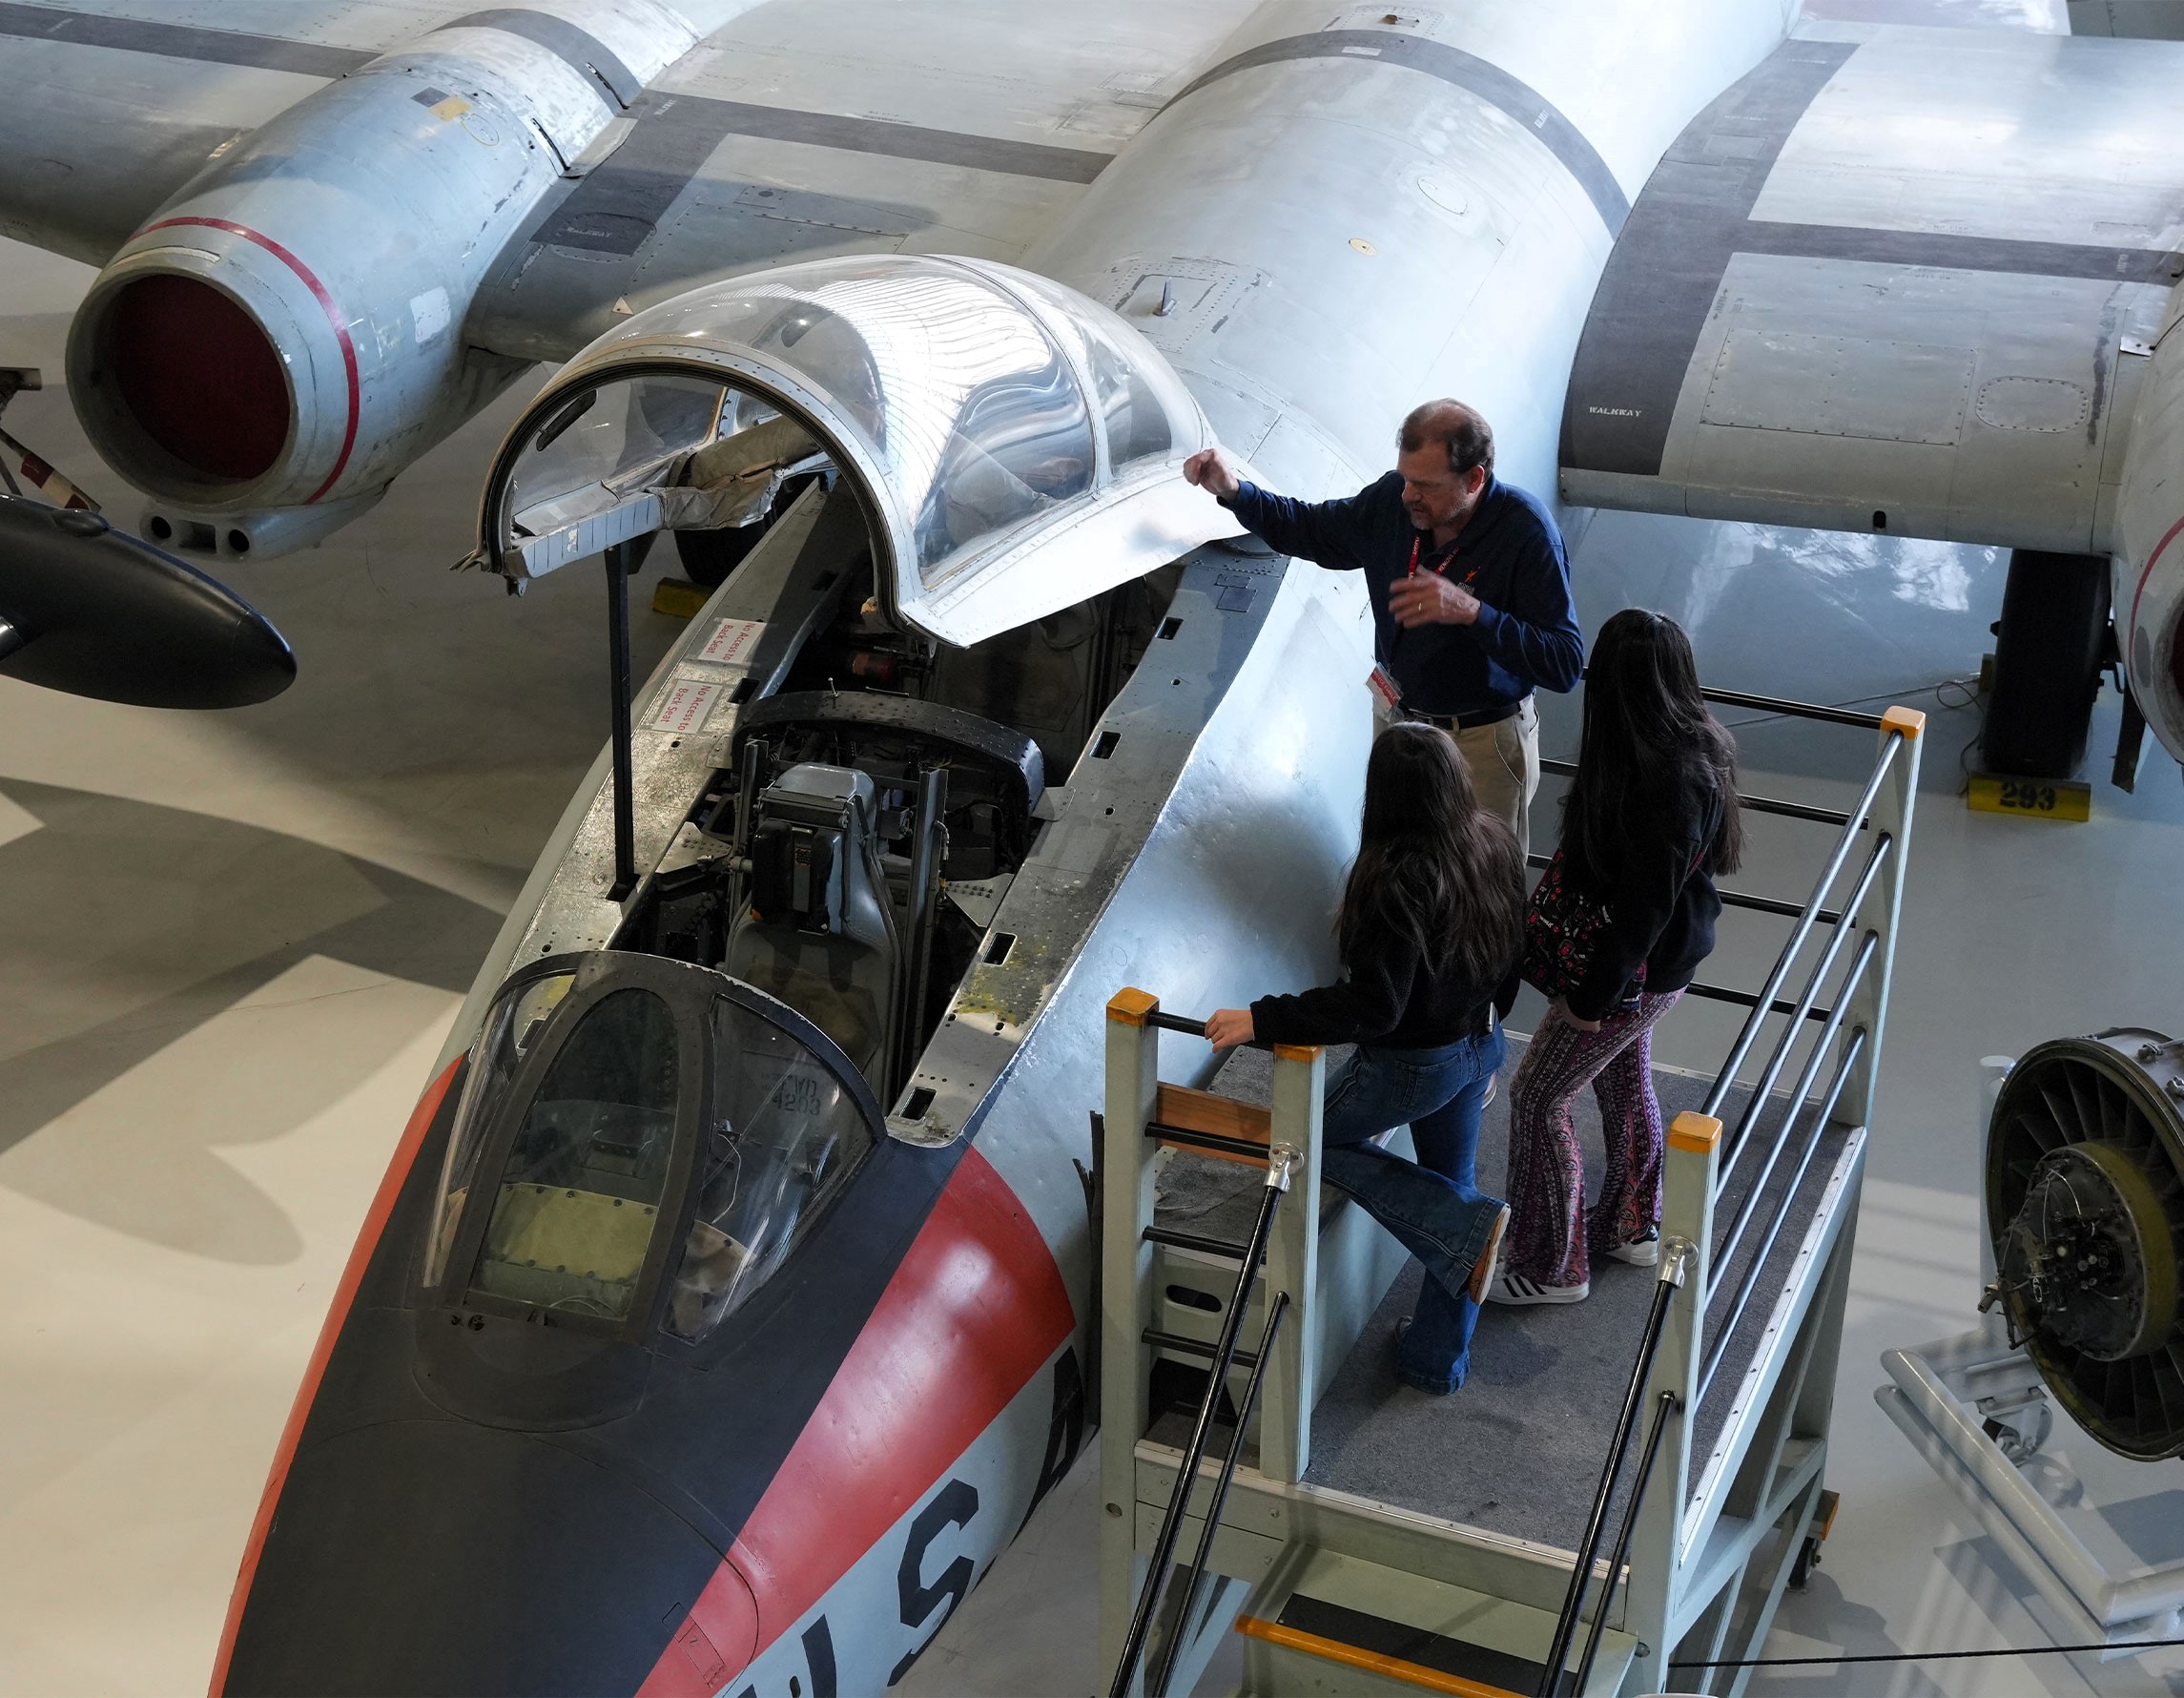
x,y
1484,1269
1639,1253
1516,1288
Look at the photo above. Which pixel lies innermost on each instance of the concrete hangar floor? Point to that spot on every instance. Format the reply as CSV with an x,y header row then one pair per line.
x,y
234,941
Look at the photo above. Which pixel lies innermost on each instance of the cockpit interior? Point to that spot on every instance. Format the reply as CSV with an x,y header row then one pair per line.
x,y
952,488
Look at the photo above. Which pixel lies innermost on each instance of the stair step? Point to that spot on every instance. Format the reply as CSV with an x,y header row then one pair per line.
x,y
1351,1626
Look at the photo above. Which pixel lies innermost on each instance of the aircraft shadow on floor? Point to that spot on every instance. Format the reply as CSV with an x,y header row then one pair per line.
x,y
198,916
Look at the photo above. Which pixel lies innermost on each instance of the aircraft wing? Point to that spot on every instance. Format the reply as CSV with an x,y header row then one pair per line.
x,y
115,107
1895,280
838,126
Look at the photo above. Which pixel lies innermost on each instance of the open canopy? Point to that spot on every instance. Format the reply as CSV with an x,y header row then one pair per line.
x,y
1018,446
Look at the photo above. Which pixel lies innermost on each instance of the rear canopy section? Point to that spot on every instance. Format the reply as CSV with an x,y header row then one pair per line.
x,y
1017,448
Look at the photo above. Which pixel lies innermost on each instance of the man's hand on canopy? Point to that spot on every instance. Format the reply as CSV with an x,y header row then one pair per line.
x,y
1210,469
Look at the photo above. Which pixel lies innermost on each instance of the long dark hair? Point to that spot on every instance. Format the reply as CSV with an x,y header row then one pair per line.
x,y
1647,734
1431,865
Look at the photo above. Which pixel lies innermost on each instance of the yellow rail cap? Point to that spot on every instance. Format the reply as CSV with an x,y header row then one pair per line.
x,y
1304,1052
1909,721
1695,1132
1129,1007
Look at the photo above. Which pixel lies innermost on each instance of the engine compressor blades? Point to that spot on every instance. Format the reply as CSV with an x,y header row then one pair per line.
x,y
2085,1201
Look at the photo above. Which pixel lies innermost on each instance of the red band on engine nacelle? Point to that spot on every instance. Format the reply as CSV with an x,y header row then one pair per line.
x,y
333,313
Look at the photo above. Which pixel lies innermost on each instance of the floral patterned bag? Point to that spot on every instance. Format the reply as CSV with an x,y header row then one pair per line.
x,y
1561,922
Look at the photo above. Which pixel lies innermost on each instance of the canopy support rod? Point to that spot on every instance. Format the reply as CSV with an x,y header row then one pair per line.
x,y
618,657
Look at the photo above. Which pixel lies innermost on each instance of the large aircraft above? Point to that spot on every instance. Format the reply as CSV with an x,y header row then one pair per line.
x,y
722,1315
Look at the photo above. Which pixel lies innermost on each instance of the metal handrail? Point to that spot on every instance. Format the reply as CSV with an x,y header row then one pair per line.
x,y
1745,1286
1787,1042
1734,899
1745,999
1281,1163
1798,1098
1666,1407
1742,1047
1795,710
1758,804
1674,1263
1867,950
1220,1142
1174,1239
1276,1307
1720,1264
1183,1344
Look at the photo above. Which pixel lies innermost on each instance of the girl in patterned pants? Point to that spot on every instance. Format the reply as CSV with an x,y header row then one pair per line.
x,y
1650,819
1552,1235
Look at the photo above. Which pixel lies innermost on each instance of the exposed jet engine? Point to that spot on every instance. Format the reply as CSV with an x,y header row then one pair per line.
x,y
286,334
2085,1201
2149,599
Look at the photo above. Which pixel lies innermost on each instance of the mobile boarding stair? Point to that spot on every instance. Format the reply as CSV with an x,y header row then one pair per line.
x,y
1726,1408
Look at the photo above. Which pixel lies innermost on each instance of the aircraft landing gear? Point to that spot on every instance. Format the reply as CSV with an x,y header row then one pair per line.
x,y
2050,645
708,557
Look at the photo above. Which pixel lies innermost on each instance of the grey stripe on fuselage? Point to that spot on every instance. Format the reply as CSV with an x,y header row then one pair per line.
x,y
578,49
614,209
179,41
1694,212
1468,71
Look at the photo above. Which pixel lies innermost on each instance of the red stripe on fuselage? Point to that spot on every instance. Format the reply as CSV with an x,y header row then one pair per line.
x,y
976,1308
326,304
2139,595
345,1295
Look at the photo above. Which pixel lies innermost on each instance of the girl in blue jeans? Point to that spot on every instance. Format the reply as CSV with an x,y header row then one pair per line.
x,y
1430,935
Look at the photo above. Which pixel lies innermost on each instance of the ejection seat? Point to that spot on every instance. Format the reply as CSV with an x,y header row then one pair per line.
x,y
817,929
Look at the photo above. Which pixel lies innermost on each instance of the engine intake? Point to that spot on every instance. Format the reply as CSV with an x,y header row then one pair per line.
x,y
287,335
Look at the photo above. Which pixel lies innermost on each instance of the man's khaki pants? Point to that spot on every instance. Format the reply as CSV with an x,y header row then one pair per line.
x,y
1504,759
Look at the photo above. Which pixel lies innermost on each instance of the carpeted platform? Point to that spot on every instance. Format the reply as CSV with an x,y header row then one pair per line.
x,y
1519,1449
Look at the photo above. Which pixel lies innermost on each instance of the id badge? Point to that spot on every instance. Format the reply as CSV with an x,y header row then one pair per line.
x,y
1386,698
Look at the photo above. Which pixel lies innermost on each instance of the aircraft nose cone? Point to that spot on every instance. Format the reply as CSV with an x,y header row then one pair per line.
x,y
437,1557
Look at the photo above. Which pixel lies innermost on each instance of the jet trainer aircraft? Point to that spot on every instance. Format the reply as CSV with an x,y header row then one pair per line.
x,y
723,1312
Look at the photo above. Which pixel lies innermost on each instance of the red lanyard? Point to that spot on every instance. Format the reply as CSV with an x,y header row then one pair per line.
x,y
1441,570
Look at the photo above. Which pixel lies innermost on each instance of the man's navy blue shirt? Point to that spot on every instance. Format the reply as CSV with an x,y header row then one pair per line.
x,y
1526,636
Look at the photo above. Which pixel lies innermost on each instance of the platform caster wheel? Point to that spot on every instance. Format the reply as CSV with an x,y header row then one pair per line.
x,y
1807,1559
2049,646
2021,1436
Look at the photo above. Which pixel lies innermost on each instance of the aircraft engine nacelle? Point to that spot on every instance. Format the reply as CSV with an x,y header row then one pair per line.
x,y
2148,586
287,333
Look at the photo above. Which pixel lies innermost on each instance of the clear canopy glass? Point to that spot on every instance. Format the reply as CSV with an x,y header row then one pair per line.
x,y
783,1137
594,1093
981,407
581,1187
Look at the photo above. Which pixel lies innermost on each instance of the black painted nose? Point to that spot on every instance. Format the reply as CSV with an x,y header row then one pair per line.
x,y
420,1557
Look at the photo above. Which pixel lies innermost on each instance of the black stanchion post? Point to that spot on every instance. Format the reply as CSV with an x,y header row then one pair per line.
x,y
618,658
